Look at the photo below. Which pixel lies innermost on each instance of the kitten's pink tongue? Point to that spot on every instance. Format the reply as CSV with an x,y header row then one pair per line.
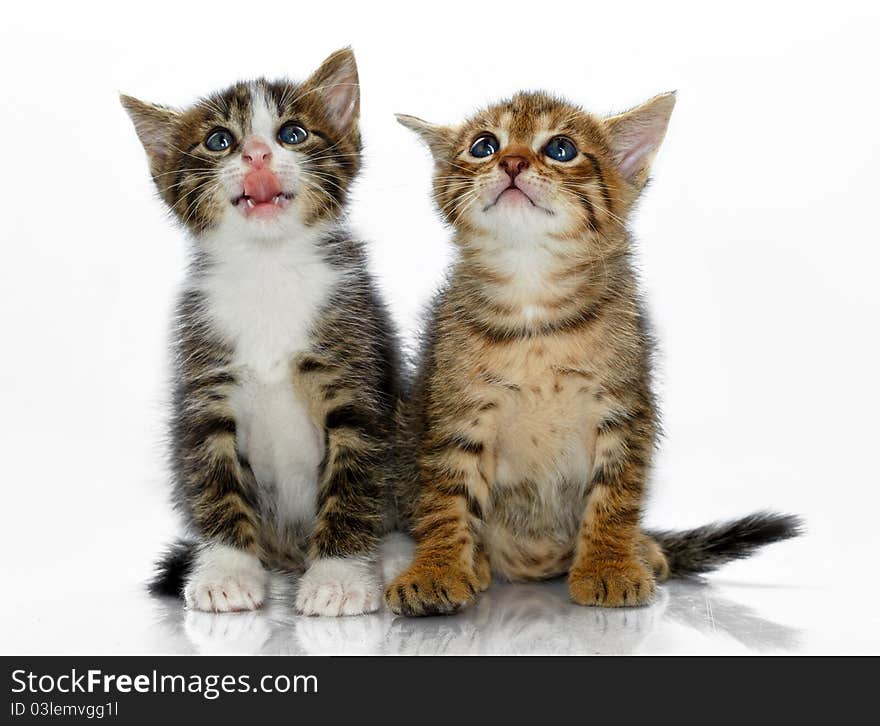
x,y
262,186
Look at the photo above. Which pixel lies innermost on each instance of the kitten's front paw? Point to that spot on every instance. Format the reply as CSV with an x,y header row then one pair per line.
x,y
232,592
226,580
611,584
339,586
431,590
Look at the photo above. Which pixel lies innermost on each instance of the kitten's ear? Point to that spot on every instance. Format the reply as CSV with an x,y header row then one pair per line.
x,y
155,127
637,134
336,82
436,137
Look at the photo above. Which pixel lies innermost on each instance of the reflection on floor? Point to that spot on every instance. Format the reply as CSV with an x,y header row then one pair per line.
x,y
508,619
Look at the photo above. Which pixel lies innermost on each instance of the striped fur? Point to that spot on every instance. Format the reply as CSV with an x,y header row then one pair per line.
x,y
532,423
286,366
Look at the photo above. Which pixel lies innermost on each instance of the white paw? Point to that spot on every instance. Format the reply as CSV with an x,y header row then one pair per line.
x,y
226,580
339,586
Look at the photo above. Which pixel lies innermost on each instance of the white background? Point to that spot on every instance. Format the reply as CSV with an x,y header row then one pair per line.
x,y
757,242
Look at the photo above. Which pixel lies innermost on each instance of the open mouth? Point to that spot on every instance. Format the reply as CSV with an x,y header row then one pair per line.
x,y
249,204
262,195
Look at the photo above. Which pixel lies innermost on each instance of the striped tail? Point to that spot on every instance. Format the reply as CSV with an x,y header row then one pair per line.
x,y
706,548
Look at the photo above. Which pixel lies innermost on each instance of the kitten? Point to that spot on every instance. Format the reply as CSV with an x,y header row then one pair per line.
x,y
532,422
286,370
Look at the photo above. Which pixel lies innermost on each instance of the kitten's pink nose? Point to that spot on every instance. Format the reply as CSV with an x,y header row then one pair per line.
x,y
513,165
256,154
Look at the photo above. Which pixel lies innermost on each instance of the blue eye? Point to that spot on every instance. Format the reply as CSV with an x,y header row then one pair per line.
x,y
484,146
291,134
219,140
561,148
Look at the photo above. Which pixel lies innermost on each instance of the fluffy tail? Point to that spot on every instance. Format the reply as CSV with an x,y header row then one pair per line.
x,y
172,569
707,548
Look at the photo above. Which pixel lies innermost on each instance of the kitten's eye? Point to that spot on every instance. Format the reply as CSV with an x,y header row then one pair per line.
x,y
291,134
561,148
219,140
484,146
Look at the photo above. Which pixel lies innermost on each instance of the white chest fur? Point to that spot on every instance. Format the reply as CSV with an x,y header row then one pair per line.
x,y
264,300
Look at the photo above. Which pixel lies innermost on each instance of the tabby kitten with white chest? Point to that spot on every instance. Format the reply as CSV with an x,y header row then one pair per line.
x,y
528,439
286,370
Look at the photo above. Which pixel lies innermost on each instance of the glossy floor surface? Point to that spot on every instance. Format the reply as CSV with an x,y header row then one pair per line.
x,y
739,610
510,619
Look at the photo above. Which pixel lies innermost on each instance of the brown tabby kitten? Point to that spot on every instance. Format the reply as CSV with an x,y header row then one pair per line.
x,y
532,423
286,370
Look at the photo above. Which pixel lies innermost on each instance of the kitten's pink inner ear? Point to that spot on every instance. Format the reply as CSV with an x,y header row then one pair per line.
x,y
154,125
336,81
633,160
342,100
637,134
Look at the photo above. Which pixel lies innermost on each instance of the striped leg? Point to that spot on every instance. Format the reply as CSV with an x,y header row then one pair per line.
x,y
227,575
608,568
343,578
449,568
350,513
